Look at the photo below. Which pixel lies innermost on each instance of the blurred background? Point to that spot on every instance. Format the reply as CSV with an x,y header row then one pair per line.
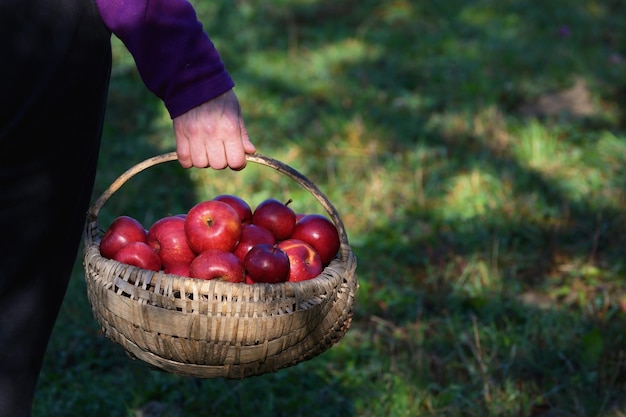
x,y
476,151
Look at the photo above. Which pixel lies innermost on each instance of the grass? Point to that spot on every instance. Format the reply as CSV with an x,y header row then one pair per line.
x,y
489,230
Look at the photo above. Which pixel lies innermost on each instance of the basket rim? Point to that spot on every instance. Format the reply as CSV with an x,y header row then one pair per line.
x,y
332,276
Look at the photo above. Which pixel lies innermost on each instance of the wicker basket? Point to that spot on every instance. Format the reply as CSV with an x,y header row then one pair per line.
x,y
210,329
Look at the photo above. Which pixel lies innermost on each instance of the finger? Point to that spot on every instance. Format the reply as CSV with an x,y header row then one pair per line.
x,y
235,155
216,154
199,156
182,148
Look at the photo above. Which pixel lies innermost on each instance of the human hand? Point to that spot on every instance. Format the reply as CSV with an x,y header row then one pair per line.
x,y
213,134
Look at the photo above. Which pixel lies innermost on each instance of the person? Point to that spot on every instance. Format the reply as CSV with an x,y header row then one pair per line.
x,y
54,79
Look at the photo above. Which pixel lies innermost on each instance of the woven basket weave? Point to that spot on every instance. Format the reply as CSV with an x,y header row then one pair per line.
x,y
211,329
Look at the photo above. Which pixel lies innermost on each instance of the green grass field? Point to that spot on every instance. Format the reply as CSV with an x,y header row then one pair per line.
x,y
476,152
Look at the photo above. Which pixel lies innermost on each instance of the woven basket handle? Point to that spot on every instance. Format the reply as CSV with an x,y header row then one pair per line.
x,y
283,168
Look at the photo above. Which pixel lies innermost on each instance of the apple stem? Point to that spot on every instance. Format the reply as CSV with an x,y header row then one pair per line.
x,y
289,202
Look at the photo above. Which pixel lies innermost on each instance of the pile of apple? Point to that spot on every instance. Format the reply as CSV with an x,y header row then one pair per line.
x,y
223,238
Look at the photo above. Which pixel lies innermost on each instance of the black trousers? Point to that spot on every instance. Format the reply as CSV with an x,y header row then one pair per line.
x,y
55,61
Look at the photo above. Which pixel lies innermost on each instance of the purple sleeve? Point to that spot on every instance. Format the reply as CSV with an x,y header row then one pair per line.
x,y
175,58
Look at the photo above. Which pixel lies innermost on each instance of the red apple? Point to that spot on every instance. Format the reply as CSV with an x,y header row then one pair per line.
x,y
168,239
304,261
217,264
319,232
240,205
139,254
123,230
252,235
276,217
267,263
179,269
212,224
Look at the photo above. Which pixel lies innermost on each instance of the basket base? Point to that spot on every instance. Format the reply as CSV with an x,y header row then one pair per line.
x,y
192,370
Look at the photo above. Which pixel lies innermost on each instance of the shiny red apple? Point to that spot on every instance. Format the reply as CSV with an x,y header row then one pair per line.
x,y
240,205
267,263
212,224
139,254
304,261
217,264
252,235
123,230
275,216
318,231
168,239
